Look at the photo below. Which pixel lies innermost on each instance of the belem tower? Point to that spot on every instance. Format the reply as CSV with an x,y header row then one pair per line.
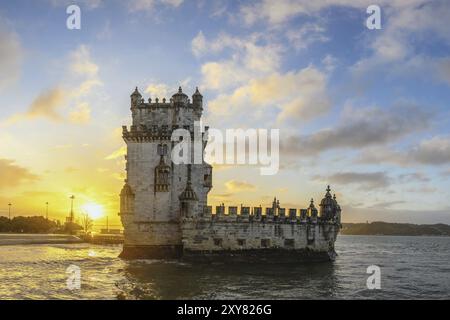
x,y
164,207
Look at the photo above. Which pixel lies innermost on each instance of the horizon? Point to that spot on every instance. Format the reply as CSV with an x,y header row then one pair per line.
x,y
365,111
99,219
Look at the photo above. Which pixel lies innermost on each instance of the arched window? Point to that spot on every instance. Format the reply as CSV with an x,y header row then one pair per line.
x,y
126,200
162,175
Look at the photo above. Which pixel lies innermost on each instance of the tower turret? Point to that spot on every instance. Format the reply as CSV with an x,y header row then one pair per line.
x,y
327,206
180,98
188,198
312,211
197,99
136,98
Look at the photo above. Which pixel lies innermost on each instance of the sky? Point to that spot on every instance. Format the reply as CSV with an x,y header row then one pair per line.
x,y
366,111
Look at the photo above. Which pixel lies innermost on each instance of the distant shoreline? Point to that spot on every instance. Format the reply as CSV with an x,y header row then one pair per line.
x,y
395,229
352,229
8,239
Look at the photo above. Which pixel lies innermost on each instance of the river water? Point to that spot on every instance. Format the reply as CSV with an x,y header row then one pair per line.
x,y
411,268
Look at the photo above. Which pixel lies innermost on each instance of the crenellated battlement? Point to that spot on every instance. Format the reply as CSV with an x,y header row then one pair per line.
x,y
155,132
178,100
176,112
162,103
274,214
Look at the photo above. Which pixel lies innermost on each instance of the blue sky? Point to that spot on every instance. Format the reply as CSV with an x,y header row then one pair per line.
x,y
363,110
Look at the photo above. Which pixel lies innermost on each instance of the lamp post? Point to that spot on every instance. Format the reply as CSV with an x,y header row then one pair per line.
x,y
9,210
72,197
46,210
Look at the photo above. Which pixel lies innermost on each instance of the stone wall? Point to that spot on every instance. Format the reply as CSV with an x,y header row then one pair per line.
x,y
212,235
144,233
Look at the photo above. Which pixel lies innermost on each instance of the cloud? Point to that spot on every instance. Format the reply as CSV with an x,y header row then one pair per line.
x,y
47,104
381,154
249,79
13,175
65,102
306,35
415,176
371,180
10,55
89,4
299,95
273,12
81,63
422,190
117,154
406,26
81,114
149,5
433,151
199,44
386,205
221,197
361,128
252,56
329,62
223,75
443,69
281,11
159,90
234,185
308,100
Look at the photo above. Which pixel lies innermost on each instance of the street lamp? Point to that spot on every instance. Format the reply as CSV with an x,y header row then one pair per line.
x,y
9,211
72,197
46,210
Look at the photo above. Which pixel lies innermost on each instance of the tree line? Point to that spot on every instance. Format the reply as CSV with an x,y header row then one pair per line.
x,y
37,224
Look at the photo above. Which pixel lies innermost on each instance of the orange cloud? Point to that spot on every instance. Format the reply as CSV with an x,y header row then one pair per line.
x,y
117,154
14,175
46,104
234,185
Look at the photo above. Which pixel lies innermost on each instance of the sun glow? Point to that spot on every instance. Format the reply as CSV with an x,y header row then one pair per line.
x,y
94,210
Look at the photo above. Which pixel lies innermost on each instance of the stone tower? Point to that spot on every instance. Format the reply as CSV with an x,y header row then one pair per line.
x,y
158,192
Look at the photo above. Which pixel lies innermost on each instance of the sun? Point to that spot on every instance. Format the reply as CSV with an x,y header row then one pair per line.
x,y
94,210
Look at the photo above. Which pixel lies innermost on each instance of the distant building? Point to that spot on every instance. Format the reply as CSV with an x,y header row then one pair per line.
x,y
164,209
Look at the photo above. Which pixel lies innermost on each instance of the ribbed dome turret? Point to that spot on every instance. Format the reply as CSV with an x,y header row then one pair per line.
x,y
180,97
188,193
328,199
